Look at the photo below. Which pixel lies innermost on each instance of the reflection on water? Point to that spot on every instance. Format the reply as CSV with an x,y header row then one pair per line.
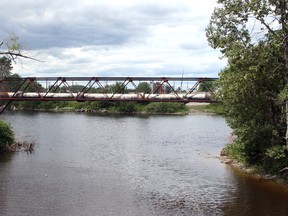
x,y
128,165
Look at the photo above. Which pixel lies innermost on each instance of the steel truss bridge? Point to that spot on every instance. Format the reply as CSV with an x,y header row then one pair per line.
x,y
95,89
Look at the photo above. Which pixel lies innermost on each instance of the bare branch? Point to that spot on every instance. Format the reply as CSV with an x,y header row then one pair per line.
x,y
14,55
13,50
267,26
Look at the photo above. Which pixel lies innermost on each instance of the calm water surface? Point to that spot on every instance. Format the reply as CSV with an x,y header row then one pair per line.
x,y
128,165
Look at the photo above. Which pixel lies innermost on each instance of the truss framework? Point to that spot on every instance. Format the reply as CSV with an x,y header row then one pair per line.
x,y
48,89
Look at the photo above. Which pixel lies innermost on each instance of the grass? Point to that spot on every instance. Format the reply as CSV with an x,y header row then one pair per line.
x,y
216,108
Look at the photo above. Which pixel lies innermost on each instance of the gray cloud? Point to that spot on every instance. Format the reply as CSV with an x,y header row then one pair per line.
x,y
109,37
43,25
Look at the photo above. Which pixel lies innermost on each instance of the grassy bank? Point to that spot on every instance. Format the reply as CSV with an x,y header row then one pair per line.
x,y
269,168
122,107
216,108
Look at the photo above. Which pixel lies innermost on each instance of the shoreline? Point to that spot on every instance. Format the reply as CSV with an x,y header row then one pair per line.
x,y
192,108
19,147
252,172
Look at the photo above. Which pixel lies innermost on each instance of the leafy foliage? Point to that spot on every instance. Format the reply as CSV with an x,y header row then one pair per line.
x,y
5,67
6,134
13,49
101,106
249,92
126,107
250,86
208,86
236,151
165,107
144,87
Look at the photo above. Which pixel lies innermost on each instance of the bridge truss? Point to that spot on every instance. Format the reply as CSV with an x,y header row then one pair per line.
x,y
95,89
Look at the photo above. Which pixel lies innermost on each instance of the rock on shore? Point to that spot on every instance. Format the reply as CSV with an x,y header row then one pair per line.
x,y
20,146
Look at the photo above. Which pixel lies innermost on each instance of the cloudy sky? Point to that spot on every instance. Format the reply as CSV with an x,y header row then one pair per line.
x,y
113,37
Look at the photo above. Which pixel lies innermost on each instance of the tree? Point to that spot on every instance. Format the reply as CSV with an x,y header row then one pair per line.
x,y
207,86
144,87
13,85
5,67
238,25
253,36
249,90
117,88
11,50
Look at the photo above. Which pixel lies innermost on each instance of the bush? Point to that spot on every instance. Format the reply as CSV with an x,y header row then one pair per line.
x,y
236,150
126,107
276,159
166,107
6,134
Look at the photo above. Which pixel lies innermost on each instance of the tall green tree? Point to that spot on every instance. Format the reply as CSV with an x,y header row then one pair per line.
x,y
238,25
5,67
253,35
249,90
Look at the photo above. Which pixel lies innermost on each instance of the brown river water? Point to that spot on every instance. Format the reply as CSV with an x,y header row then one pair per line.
x,y
87,164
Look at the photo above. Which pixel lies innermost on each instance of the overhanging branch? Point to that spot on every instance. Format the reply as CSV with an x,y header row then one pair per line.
x,y
14,55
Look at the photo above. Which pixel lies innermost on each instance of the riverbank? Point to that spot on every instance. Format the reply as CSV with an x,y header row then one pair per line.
x,y
255,172
125,107
20,146
104,107
210,108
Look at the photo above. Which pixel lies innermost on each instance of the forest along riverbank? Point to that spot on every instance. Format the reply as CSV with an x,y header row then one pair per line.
x,y
161,165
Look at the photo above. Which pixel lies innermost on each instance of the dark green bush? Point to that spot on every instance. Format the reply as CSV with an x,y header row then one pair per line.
x,y
166,107
126,107
6,134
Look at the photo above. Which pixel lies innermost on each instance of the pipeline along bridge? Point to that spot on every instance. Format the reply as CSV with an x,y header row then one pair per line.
x,y
163,89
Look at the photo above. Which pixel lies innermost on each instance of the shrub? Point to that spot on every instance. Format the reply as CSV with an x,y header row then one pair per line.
x,y
6,134
276,159
236,150
166,107
126,107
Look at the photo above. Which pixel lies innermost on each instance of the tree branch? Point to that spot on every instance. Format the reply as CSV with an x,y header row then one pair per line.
x,y
14,55
267,26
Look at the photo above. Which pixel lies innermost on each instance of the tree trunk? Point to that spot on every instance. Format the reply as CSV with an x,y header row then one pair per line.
x,y
283,7
286,77
286,84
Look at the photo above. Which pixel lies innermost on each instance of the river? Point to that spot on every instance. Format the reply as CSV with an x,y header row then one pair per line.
x,y
86,164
